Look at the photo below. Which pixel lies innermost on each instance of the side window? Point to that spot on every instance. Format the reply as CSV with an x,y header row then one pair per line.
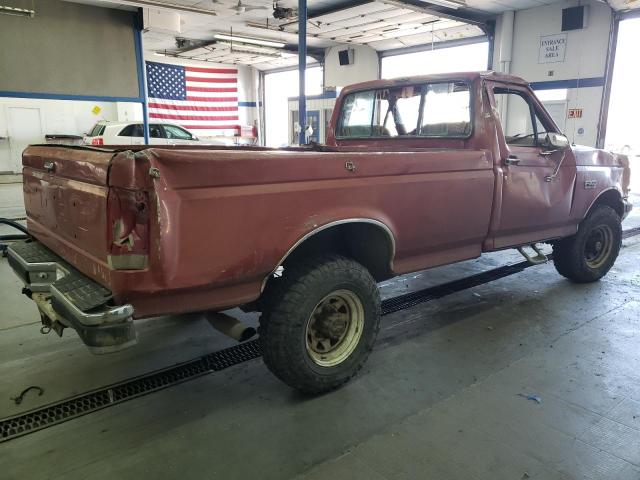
x,y
173,131
137,130
520,122
155,131
127,131
447,110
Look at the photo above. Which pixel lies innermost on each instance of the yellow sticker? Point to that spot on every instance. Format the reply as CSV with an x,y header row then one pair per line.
x,y
96,110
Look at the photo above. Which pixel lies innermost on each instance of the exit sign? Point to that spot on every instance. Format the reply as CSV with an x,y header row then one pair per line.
x,y
575,113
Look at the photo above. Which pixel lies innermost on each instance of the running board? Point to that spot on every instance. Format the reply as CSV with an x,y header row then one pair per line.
x,y
538,259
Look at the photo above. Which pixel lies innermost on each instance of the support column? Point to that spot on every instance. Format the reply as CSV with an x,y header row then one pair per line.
x,y
302,65
142,83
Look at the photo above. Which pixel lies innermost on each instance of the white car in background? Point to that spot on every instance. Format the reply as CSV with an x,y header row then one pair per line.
x,y
131,133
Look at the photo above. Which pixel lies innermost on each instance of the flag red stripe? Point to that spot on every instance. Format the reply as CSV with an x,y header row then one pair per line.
x,y
172,116
211,70
208,80
212,99
208,127
218,89
168,106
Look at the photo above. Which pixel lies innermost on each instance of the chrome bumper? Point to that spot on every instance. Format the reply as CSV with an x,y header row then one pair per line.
x,y
66,298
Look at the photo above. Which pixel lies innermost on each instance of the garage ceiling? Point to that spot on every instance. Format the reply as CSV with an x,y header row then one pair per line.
x,y
226,53
384,26
380,24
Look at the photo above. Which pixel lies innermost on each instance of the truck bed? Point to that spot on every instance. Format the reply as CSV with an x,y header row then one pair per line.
x,y
209,226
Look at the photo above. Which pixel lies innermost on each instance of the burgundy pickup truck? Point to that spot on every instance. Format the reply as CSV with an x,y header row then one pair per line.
x,y
417,172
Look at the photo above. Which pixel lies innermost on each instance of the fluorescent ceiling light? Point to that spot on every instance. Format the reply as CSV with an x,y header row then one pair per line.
x,y
23,12
445,3
253,41
167,6
247,48
253,52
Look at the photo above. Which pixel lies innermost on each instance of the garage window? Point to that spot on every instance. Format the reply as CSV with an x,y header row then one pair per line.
x,y
439,110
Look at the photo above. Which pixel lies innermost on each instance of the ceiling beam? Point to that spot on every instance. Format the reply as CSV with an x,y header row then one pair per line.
x,y
459,14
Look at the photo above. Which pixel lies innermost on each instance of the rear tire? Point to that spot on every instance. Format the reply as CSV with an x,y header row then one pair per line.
x,y
588,255
320,323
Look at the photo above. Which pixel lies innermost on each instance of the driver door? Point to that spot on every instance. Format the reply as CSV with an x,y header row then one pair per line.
x,y
537,181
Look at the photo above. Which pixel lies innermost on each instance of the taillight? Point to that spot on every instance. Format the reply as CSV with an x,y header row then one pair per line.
x,y
97,141
128,233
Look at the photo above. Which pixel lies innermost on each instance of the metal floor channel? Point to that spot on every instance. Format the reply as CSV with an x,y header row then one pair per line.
x,y
64,410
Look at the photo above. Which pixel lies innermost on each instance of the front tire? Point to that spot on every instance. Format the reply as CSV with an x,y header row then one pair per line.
x,y
588,255
321,322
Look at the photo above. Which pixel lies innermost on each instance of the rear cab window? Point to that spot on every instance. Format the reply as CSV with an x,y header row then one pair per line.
x,y
433,110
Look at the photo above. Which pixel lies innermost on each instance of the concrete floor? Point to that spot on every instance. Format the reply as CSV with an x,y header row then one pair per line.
x,y
438,399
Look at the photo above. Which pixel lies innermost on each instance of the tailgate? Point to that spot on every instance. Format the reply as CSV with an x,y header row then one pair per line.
x,y
65,194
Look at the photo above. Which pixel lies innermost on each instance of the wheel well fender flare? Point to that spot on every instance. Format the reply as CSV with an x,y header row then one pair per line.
x,y
610,197
386,234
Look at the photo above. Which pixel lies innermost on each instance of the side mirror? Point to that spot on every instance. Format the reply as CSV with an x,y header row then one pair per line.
x,y
557,141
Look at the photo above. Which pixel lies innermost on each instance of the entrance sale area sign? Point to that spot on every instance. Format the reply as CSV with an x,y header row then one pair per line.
x,y
552,48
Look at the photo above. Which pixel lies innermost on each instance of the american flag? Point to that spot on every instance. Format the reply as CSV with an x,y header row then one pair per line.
x,y
199,98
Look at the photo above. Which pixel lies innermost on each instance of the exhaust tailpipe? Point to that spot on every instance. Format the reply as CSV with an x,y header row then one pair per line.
x,y
230,326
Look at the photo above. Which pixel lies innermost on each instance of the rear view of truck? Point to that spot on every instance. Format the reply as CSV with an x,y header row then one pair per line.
x,y
71,195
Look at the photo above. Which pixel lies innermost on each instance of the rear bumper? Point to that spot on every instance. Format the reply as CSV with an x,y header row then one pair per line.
x,y
67,298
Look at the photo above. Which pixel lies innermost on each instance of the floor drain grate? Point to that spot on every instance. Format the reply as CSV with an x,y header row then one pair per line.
x,y
59,412
631,232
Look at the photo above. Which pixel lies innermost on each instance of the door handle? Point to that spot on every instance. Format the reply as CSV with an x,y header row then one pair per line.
x,y
512,160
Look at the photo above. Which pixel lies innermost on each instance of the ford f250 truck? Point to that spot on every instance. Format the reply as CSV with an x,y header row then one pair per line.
x,y
416,173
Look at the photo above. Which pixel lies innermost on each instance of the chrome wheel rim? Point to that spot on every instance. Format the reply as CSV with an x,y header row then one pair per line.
x,y
334,328
598,246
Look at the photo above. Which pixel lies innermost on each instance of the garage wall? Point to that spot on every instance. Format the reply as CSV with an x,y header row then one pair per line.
x,y
364,68
585,60
61,71
71,49
62,117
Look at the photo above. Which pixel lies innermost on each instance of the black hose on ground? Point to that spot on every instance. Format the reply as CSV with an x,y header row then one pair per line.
x,y
14,224
12,237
